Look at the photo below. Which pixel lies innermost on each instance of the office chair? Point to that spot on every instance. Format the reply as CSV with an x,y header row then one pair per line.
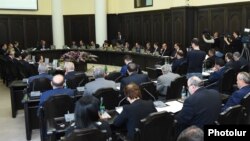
x,y
158,126
148,91
110,97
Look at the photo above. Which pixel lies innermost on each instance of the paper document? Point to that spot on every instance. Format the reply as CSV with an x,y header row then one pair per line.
x,y
119,109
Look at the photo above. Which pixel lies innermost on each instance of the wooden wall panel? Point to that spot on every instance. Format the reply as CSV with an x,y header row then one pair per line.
x,y
4,34
16,29
178,23
31,32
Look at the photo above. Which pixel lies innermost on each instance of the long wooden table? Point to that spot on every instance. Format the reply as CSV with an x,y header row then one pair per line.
x,y
107,57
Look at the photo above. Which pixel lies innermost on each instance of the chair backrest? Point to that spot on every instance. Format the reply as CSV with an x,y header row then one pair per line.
x,y
175,88
182,69
244,68
229,77
148,91
158,126
245,102
115,76
110,97
79,79
233,115
87,135
41,84
153,73
58,105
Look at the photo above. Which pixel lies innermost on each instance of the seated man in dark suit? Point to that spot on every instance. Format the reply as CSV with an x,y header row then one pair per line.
x,y
69,70
231,63
178,61
239,60
133,113
58,88
43,72
133,77
43,45
202,107
219,70
243,81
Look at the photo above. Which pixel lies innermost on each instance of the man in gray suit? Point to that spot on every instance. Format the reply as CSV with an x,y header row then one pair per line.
x,y
165,79
99,82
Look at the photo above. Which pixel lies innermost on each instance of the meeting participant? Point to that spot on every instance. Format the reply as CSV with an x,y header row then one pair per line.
x,y
82,45
178,61
58,88
177,47
165,51
239,59
243,81
165,79
87,116
43,45
209,62
133,76
43,73
148,48
99,82
73,45
137,48
92,45
3,49
202,107
195,59
157,49
69,70
126,46
218,69
127,59
17,49
230,63
132,114
192,133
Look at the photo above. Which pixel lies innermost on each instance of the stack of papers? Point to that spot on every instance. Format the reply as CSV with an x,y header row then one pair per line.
x,y
172,106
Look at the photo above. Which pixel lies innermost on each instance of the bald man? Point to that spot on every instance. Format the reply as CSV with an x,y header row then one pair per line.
x,y
58,88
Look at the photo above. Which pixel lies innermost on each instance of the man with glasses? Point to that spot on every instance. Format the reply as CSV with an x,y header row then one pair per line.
x,y
200,108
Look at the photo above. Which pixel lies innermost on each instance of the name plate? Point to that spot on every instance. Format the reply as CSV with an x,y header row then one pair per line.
x,y
35,93
80,89
25,80
69,117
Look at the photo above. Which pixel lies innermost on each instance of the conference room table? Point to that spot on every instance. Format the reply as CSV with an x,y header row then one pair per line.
x,y
107,57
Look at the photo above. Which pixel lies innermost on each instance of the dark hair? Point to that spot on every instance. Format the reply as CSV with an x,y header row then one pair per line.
x,y
38,57
86,111
24,55
180,53
132,67
132,91
219,62
229,55
128,58
195,41
192,133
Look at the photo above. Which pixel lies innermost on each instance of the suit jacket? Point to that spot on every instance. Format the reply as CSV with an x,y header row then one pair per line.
x,y
178,62
236,97
70,74
45,95
201,108
215,76
164,81
39,76
132,114
134,77
123,70
234,65
99,83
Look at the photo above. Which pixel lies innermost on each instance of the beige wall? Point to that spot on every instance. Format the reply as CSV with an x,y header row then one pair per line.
x,y
75,7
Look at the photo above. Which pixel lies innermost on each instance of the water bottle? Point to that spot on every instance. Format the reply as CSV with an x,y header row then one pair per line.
x,y
183,93
102,107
